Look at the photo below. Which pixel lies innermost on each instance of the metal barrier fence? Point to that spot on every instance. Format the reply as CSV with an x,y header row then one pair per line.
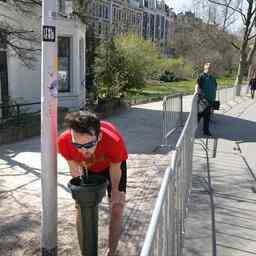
x,y
225,95
166,229
172,115
244,90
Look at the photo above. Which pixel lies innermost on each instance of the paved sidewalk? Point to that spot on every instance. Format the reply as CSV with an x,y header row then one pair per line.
x,y
233,182
20,180
231,173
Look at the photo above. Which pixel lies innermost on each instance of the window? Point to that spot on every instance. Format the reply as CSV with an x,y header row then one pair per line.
x,y
101,11
99,28
93,9
114,14
3,40
61,6
98,11
64,63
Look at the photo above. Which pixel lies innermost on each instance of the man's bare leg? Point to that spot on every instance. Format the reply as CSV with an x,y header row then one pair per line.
x,y
115,226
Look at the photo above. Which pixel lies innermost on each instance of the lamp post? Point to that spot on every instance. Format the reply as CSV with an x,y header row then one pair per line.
x,y
49,93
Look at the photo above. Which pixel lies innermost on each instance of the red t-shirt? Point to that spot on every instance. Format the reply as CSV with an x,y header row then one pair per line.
x,y
110,149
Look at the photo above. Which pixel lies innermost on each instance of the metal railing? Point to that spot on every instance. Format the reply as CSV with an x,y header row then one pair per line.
x,y
227,94
165,234
166,229
172,115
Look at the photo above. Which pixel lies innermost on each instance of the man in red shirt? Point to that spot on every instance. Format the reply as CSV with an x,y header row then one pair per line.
x,y
98,147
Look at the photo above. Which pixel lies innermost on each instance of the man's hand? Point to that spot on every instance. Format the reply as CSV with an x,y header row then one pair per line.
x,y
198,90
117,198
74,168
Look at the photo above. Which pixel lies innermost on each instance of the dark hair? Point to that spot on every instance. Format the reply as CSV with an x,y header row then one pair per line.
x,y
83,122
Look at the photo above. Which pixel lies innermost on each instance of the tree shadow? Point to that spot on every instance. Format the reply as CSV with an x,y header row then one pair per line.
x,y
231,128
141,129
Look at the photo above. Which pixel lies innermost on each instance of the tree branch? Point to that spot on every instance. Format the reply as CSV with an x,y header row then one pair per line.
x,y
251,37
235,46
230,7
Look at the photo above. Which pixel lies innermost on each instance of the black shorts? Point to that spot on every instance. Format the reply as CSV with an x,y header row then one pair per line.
x,y
123,179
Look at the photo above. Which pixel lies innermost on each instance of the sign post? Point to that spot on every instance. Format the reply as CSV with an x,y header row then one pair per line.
x,y
49,93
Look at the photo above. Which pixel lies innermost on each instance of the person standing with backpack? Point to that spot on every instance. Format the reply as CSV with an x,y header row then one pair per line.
x,y
206,89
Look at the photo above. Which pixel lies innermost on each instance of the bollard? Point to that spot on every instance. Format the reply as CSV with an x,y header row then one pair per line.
x,y
88,193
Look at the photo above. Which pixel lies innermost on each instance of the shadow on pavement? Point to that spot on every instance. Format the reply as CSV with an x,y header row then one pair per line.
x,y
231,128
141,129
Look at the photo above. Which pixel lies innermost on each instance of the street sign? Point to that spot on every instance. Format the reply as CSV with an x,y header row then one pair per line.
x,y
49,33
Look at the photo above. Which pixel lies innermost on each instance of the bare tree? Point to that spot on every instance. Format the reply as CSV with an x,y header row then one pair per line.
x,y
248,17
20,41
200,41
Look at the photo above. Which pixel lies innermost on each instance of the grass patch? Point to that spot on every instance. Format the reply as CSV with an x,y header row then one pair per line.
x,y
155,89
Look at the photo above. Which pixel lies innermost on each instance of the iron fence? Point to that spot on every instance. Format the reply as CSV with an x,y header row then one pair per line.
x,y
18,114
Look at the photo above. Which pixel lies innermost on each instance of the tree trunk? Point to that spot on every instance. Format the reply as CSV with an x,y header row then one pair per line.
x,y
249,60
241,68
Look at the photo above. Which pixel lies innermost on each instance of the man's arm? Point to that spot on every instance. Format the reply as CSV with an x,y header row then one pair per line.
x,y
198,87
117,207
115,174
74,168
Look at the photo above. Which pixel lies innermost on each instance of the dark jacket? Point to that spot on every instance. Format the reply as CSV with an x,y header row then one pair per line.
x,y
252,84
208,85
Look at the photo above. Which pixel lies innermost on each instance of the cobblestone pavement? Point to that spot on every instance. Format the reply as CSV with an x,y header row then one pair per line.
x,y
20,190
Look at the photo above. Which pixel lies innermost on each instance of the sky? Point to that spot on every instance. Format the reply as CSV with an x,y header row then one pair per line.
x,y
187,5
179,5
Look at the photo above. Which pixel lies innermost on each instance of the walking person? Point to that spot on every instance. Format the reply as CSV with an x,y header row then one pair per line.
x,y
206,89
252,85
98,147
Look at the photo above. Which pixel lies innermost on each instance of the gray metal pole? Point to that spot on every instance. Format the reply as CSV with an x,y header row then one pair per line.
x,y
49,93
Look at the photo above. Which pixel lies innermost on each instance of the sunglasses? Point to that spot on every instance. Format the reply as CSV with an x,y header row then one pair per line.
x,y
86,145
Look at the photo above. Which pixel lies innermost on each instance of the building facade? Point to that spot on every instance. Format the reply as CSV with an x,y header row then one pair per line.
x,y
22,84
149,19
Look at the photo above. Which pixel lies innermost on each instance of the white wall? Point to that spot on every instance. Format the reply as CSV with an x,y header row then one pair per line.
x,y
25,84
76,31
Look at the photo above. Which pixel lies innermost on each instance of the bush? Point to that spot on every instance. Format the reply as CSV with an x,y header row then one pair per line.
x,y
123,63
174,69
167,76
141,57
110,72
127,61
